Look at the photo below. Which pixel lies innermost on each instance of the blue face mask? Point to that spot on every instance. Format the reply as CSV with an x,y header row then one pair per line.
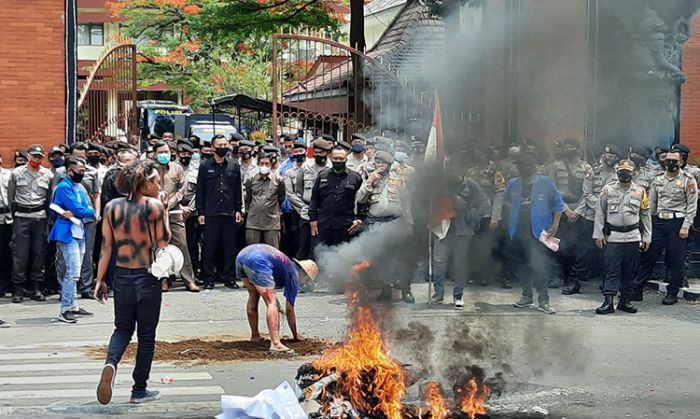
x,y
164,159
358,148
196,157
56,163
400,156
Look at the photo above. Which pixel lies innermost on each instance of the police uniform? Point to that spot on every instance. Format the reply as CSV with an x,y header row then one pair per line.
x,y
303,189
29,192
193,230
673,203
5,233
623,220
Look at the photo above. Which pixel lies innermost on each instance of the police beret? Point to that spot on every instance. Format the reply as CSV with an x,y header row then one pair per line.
x,y
246,143
238,137
322,144
270,149
681,148
641,150
611,149
359,136
95,147
36,149
384,156
299,144
184,146
345,145
257,143
371,141
328,138
572,142
121,146
625,165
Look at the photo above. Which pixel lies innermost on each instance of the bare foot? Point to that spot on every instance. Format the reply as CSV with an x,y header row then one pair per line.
x,y
280,348
256,338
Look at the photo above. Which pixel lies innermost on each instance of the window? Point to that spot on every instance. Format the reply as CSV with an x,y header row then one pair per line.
x,y
91,34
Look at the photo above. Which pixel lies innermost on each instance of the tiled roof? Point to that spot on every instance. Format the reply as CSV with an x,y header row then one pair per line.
x,y
377,6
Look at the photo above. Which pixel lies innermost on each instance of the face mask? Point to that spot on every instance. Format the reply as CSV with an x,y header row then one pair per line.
x,y
163,159
246,155
358,148
671,166
185,161
321,161
196,157
93,160
338,166
221,151
34,164
56,163
264,170
299,157
624,176
400,156
207,156
77,177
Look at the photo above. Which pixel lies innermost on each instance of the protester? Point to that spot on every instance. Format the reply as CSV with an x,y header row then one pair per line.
x,y
71,235
262,268
139,218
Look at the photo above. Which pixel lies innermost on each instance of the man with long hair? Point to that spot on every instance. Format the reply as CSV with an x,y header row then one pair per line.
x,y
134,227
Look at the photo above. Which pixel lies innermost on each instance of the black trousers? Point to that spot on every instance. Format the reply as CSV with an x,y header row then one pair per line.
x,y
137,300
621,261
29,241
305,240
220,236
664,237
577,249
290,233
194,235
333,236
5,258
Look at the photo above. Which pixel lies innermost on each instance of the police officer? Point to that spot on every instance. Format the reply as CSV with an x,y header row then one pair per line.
x,y
643,175
358,155
673,200
304,186
596,178
384,195
695,171
219,209
622,227
190,160
332,210
5,231
296,203
569,173
29,191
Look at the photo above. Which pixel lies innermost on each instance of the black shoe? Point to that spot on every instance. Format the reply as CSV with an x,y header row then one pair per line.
x,y
67,317
18,296
607,307
506,284
624,305
637,296
232,285
81,312
87,295
3,324
209,286
571,288
407,297
669,300
38,296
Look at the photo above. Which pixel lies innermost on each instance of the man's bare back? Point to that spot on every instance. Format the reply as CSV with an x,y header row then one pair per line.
x,y
128,231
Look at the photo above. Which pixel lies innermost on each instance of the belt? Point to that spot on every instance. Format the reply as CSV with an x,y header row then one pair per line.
x,y
5,210
622,229
670,215
29,210
372,220
130,271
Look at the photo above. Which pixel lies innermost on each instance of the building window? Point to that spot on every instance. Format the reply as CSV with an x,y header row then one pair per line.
x,y
91,34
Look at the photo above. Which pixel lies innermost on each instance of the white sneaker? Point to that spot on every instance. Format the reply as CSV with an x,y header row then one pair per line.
x,y
459,303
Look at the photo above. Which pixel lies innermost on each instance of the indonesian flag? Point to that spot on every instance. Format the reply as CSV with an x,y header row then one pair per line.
x,y
441,206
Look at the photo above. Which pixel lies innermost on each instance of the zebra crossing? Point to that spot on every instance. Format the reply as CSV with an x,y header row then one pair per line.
x,y
59,380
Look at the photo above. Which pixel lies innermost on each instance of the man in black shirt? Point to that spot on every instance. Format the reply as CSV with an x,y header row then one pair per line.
x,y
332,212
220,207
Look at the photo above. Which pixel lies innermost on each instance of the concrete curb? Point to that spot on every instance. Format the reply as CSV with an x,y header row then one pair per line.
x,y
691,293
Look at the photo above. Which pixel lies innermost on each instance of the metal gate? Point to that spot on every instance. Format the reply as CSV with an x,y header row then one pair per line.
x,y
325,87
107,104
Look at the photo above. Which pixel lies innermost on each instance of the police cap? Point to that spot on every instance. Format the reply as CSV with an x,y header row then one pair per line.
x,y
359,136
36,150
270,149
384,156
298,144
322,144
246,143
611,149
237,137
641,150
328,138
344,145
56,150
681,148
625,165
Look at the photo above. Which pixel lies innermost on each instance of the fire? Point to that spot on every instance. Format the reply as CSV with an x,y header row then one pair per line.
x,y
472,398
373,380
436,401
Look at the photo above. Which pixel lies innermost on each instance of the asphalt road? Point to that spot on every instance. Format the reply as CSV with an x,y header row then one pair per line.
x,y
573,364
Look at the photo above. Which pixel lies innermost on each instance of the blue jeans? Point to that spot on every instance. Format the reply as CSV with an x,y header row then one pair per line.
x,y
450,257
137,298
72,254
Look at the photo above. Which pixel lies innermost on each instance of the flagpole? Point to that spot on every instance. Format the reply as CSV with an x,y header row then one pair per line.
x,y
430,266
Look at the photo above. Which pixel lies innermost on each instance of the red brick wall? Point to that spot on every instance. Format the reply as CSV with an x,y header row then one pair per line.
x,y
32,75
690,92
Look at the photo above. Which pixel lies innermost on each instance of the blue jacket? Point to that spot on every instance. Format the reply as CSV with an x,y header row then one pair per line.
x,y
546,200
69,196
288,164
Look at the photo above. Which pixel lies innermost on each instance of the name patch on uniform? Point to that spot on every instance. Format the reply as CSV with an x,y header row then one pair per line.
x,y
211,171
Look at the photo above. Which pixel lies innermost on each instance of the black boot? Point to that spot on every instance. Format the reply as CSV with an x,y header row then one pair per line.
x,y
607,307
637,295
18,295
625,305
36,293
407,297
669,300
573,287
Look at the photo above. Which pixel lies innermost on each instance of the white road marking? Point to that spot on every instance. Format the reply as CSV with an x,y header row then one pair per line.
x,y
65,366
22,356
165,390
94,378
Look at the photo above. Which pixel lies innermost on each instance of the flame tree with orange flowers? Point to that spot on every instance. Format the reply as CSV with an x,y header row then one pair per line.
x,y
213,47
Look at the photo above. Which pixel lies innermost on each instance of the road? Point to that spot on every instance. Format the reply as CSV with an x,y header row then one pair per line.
x,y
574,364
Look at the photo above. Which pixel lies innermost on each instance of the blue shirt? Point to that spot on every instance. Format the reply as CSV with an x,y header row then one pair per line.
x,y
546,200
268,261
288,164
71,197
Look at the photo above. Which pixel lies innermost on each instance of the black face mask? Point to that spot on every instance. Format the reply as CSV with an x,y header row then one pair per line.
x,y
339,166
185,160
671,166
300,157
624,176
206,156
93,160
246,155
221,151
77,177
321,160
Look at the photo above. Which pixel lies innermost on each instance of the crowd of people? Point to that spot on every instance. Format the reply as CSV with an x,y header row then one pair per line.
x,y
622,208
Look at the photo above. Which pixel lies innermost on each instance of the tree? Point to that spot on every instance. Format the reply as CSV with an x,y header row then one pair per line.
x,y
214,47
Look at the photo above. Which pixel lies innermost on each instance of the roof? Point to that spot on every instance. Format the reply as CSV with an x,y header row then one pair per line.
x,y
247,103
377,6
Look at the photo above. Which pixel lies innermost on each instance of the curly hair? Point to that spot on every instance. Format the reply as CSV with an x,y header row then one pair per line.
x,y
134,175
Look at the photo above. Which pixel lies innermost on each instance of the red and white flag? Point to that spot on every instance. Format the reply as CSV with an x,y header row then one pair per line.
x,y
441,206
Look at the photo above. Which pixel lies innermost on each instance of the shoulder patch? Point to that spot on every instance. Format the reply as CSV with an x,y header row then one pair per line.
x,y
645,201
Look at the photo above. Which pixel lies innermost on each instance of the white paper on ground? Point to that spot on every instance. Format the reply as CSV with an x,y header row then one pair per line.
x,y
280,403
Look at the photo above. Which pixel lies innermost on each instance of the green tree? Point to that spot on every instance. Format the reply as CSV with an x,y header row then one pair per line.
x,y
214,47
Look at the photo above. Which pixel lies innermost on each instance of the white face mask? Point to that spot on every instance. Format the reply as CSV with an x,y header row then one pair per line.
x,y
264,170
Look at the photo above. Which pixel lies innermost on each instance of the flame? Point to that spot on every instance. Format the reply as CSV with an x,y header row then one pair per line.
x,y
436,401
472,398
374,381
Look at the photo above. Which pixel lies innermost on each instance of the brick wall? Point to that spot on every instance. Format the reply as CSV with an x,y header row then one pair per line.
x,y
32,75
690,92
